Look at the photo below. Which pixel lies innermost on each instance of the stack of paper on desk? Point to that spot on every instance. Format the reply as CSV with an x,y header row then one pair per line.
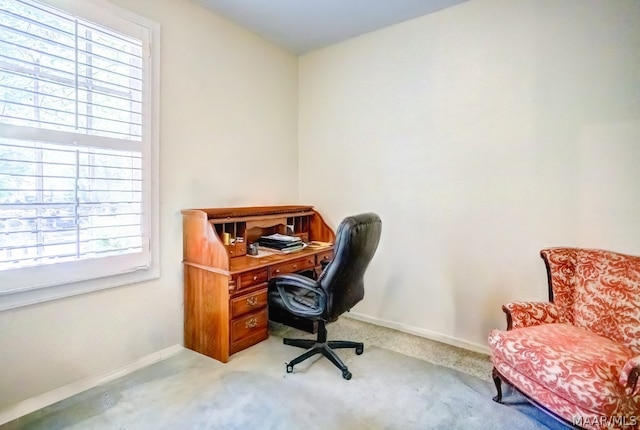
x,y
281,242
316,244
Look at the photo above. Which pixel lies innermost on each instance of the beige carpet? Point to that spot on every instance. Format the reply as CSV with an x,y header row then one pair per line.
x,y
190,391
348,328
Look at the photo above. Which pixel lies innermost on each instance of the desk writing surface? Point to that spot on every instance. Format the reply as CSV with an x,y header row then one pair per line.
x,y
247,262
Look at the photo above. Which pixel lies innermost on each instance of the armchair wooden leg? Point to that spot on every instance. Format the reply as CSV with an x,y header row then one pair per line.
x,y
498,381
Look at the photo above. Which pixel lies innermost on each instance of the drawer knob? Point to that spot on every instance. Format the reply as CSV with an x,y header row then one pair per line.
x,y
252,301
251,323
295,266
277,270
255,278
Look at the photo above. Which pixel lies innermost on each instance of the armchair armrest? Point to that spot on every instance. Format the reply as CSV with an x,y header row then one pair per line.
x,y
525,314
629,376
288,283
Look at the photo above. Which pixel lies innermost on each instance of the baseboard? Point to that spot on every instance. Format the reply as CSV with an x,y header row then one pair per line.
x,y
38,402
417,331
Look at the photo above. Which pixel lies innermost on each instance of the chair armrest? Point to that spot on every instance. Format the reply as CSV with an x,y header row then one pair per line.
x,y
629,376
290,281
525,314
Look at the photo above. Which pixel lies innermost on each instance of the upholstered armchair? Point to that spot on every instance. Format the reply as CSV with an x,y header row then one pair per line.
x,y
577,356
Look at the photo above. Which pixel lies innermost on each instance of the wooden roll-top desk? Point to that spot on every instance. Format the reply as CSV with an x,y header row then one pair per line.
x,y
225,289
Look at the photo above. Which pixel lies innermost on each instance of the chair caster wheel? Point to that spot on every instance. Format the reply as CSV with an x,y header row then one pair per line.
x,y
359,351
289,368
346,374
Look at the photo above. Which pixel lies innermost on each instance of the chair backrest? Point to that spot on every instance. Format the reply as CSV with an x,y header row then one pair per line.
x,y
356,242
597,290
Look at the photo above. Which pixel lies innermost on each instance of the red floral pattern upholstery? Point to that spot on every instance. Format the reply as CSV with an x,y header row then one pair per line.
x,y
532,313
587,376
579,355
598,290
630,375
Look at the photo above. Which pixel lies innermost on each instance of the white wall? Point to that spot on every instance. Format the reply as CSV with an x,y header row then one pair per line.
x,y
228,107
481,134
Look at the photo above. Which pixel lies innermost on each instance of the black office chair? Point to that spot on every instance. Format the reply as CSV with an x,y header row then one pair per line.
x,y
338,288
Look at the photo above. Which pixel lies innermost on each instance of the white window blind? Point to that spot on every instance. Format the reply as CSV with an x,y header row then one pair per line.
x,y
74,146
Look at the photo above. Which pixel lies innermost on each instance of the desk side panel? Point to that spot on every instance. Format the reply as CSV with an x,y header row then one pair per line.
x,y
319,230
206,312
200,243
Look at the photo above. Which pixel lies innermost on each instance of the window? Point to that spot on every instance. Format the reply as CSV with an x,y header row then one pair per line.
x,y
78,149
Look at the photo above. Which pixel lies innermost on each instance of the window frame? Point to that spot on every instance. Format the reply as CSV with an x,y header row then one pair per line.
x,y
105,13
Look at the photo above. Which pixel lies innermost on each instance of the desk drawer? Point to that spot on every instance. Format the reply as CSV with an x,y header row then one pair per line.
x,y
254,277
236,249
248,341
249,303
249,325
324,256
304,263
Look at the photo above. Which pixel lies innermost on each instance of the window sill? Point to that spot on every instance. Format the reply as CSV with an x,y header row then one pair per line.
x,y
11,300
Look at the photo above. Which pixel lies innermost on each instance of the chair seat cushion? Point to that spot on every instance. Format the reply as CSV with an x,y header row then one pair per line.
x,y
570,362
300,299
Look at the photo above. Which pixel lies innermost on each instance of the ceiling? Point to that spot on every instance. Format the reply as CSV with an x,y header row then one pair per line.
x,y
301,26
